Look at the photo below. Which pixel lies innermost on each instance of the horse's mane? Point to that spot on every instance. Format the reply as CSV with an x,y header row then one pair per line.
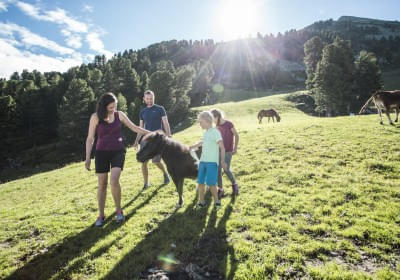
x,y
275,112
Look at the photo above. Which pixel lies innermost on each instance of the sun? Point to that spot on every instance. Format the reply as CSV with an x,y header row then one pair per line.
x,y
238,18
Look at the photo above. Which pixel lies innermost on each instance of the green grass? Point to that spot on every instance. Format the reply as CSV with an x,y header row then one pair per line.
x,y
319,199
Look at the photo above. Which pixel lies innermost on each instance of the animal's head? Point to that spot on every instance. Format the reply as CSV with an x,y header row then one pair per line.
x,y
278,118
155,142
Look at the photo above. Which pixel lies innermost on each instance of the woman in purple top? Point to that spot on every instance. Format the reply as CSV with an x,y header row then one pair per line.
x,y
230,137
110,150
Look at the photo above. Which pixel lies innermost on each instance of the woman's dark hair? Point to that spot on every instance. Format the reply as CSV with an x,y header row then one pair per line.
x,y
104,101
218,114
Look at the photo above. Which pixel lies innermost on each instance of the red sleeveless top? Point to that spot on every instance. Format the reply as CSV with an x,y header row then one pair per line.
x,y
109,136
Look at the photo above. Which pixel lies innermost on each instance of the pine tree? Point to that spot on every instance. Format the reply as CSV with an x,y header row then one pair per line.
x,y
96,82
145,80
182,85
161,83
333,78
122,105
131,85
7,124
367,78
111,83
75,112
201,88
313,52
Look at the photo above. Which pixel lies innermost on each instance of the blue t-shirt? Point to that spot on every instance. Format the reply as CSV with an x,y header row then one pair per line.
x,y
152,117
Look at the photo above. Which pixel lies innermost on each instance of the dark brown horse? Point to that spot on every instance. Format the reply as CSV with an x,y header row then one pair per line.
x,y
271,113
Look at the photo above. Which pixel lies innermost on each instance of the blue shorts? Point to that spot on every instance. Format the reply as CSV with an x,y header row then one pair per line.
x,y
208,173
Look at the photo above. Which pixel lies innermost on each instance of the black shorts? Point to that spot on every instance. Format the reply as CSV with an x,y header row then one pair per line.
x,y
105,159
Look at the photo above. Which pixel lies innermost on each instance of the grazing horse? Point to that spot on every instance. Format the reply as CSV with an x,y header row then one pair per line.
x,y
180,163
271,113
385,100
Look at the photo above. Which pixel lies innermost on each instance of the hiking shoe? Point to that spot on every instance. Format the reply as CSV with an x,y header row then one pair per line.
x,y
120,216
235,189
221,193
166,179
100,221
201,205
217,205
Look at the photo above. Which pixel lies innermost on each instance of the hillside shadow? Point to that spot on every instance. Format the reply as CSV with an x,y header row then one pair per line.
x,y
8,174
56,259
178,247
303,102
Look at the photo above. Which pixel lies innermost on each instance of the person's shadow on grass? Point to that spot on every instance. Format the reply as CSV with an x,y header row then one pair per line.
x,y
216,254
62,259
180,242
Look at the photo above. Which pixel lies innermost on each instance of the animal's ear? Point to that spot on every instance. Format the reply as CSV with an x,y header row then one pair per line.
x,y
159,133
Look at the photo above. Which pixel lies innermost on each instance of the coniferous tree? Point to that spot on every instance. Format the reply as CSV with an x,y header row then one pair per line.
x,y
334,78
161,82
182,85
75,112
367,79
313,52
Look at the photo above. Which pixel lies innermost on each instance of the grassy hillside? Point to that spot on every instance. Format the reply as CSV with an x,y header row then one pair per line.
x,y
319,199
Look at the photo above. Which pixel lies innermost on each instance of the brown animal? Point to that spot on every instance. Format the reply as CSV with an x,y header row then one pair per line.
x,y
271,113
385,100
180,164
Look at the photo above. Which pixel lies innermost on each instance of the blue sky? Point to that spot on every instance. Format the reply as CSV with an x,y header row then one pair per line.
x,y
56,35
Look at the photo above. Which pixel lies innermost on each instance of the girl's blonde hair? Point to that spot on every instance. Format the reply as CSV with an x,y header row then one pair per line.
x,y
217,114
206,115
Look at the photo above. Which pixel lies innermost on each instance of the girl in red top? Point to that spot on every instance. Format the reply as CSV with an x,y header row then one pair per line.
x,y
230,137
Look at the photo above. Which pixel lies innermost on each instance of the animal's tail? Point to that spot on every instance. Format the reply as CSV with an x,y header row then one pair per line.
x,y
366,104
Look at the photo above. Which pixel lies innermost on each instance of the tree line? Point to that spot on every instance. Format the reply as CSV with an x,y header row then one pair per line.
x,y
339,82
41,108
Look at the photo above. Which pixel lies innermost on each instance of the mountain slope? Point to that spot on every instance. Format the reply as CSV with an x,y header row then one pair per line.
x,y
319,198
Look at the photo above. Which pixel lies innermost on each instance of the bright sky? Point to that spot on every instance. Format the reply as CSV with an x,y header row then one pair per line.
x,y
56,35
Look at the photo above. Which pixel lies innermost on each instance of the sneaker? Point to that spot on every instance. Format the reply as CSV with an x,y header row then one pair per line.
x,y
179,205
201,205
120,216
235,189
146,185
100,221
166,179
217,205
221,193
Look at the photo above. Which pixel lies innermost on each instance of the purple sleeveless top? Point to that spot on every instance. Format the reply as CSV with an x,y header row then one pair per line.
x,y
109,136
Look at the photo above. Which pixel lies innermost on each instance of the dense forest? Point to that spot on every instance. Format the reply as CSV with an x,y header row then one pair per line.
x,y
52,109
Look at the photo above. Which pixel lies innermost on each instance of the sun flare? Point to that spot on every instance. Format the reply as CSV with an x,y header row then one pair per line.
x,y
238,18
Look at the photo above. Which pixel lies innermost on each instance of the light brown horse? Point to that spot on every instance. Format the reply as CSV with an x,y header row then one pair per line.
x,y
271,113
385,100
